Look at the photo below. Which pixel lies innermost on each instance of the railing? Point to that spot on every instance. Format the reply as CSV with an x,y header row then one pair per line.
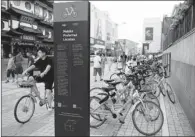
x,y
183,27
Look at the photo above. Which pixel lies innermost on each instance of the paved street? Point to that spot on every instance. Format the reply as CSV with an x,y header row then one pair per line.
x,y
42,122
175,120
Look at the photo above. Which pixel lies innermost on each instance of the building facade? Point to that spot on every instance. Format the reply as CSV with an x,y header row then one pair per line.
x,y
26,25
128,46
179,54
152,28
103,30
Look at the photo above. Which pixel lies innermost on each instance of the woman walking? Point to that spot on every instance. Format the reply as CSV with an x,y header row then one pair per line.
x,y
10,68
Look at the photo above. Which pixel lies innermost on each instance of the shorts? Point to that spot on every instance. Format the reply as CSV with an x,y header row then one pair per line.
x,y
10,72
19,70
47,81
97,70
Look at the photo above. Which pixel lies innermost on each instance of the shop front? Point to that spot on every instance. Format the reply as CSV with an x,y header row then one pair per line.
x,y
97,45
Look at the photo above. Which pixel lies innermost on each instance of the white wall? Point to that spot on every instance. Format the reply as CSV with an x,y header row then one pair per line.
x,y
156,24
183,50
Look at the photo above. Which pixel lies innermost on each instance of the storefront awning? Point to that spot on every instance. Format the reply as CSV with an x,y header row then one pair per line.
x,y
98,46
14,32
48,40
25,29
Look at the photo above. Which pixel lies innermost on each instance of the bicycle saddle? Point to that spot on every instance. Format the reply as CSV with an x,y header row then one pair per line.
x,y
108,89
108,80
115,83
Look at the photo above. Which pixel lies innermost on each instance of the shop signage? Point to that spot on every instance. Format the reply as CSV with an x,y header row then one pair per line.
x,y
28,37
72,54
26,19
99,42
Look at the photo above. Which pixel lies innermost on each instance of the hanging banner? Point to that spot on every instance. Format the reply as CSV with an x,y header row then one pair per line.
x,y
72,67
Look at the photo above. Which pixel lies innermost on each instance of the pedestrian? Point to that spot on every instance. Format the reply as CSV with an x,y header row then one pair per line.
x,y
97,66
18,62
103,63
119,63
109,61
10,68
30,61
124,59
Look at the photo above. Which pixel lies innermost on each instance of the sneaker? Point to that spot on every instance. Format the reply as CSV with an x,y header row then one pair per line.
x,y
49,109
13,81
95,80
101,79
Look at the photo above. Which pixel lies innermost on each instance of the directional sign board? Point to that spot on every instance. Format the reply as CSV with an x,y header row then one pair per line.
x,y
72,67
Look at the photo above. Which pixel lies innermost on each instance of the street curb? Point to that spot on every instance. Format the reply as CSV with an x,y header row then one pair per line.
x,y
165,130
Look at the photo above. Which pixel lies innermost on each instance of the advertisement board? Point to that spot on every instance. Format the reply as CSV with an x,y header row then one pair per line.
x,y
148,33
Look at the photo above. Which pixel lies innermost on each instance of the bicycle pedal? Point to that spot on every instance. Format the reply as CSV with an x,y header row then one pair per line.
x,y
122,122
41,104
121,114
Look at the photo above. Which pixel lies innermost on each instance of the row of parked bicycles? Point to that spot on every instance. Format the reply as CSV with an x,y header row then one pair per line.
x,y
139,93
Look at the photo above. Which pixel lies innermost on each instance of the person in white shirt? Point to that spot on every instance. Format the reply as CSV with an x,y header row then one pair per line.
x,y
97,66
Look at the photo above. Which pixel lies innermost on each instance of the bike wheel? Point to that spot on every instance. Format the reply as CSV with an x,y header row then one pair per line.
x,y
95,91
142,119
114,76
153,85
170,93
98,119
151,97
25,109
162,89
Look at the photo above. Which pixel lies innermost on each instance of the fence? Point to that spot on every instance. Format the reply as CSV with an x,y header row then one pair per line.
x,y
183,27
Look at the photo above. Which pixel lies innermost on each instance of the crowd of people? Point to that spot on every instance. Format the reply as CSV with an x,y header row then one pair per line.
x,y
123,62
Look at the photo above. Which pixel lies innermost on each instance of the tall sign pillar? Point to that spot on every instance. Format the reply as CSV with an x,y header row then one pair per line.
x,y
72,68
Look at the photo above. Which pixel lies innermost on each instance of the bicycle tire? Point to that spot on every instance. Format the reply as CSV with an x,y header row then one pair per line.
x,y
111,77
152,98
16,107
162,90
102,121
171,94
96,88
139,129
156,91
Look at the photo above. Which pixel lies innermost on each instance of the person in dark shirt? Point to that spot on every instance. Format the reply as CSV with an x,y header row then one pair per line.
x,y
45,66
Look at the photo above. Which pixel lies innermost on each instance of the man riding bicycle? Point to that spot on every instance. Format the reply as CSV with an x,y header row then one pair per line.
x,y
45,65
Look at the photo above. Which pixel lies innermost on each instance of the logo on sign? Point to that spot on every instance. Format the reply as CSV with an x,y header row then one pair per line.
x,y
70,11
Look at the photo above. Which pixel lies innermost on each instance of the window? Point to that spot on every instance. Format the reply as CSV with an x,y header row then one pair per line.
x,y
37,10
17,2
27,5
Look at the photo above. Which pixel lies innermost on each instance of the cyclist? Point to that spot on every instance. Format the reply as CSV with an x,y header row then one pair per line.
x,y
45,65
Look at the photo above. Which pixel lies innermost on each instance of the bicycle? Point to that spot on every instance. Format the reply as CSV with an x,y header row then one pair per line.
x,y
165,87
72,12
29,99
109,106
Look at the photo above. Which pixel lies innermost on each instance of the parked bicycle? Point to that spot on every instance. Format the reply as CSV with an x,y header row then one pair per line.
x,y
112,106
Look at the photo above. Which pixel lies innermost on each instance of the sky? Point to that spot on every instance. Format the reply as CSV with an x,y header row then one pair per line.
x,y
132,13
